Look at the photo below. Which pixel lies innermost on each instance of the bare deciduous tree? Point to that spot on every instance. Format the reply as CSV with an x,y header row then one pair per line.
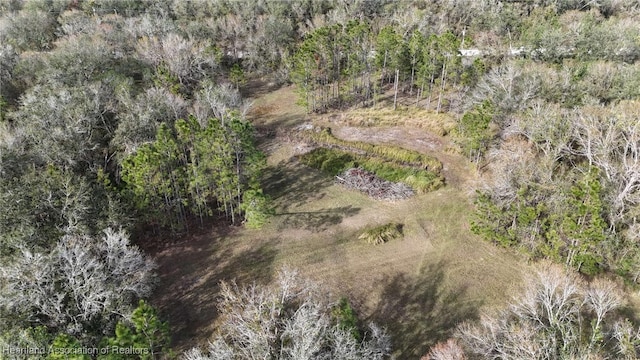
x,y
449,350
288,321
29,29
81,282
552,136
185,59
148,25
602,297
218,101
63,124
8,61
74,22
509,87
610,140
557,316
143,114
627,337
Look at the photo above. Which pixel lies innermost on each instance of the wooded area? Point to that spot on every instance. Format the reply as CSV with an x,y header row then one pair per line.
x,y
122,120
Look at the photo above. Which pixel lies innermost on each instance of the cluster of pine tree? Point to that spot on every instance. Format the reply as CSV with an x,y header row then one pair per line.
x,y
349,63
194,169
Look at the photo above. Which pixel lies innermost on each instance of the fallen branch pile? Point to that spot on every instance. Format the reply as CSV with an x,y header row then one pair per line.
x,y
370,184
381,234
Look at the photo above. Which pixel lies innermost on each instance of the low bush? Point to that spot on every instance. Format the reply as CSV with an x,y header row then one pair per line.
x,y
329,161
334,162
395,154
346,318
423,181
381,234
372,185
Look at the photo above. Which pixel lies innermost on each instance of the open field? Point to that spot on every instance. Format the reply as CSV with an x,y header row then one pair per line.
x,y
419,287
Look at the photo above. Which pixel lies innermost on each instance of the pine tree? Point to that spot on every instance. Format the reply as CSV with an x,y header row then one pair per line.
x,y
146,337
416,48
237,76
304,73
448,50
358,65
388,48
66,347
195,170
583,228
256,208
428,68
474,134
156,180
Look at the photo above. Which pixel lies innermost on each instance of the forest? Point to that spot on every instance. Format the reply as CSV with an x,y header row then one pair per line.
x,y
319,179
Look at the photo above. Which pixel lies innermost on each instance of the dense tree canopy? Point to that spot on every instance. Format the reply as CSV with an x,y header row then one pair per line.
x,y
193,169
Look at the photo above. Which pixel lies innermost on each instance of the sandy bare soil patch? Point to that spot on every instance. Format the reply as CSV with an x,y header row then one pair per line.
x,y
421,141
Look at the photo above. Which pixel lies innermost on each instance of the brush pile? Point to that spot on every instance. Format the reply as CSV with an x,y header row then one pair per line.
x,y
382,234
368,183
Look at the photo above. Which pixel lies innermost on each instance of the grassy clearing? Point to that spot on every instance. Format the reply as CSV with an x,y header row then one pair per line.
x,y
330,161
334,162
276,108
420,286
381,234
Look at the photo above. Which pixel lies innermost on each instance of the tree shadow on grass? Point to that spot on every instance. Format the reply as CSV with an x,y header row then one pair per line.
x,y
293,184
421,311
316,221
280,121
190,281
258,87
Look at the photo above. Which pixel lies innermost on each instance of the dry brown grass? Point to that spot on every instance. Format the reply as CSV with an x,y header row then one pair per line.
x,y
412,117
276,109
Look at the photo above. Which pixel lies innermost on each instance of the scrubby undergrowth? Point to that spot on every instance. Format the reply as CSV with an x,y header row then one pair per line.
x,y
335,161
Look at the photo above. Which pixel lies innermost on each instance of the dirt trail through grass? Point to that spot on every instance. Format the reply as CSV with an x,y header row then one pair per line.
x,y
419,287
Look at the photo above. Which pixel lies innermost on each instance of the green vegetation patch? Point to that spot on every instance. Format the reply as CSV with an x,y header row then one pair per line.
x,y
329,161
394,154
335,161
381,234
347,319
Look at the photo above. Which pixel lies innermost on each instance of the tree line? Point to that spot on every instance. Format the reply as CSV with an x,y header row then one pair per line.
x,y
350,63
557,315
